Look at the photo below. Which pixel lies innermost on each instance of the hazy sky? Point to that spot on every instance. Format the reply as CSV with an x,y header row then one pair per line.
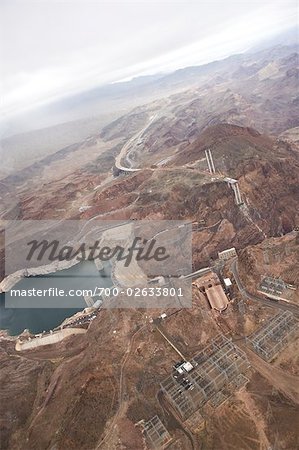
x,y
51,48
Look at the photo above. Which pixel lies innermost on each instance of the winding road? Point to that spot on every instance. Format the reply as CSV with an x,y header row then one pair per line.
x,y
124,151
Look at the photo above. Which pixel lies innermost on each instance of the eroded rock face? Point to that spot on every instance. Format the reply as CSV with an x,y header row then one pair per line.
x,y
73,390
267,171
62,396
23,385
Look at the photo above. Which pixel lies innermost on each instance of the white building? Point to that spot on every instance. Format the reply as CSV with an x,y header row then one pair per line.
x,y
187,366
227,282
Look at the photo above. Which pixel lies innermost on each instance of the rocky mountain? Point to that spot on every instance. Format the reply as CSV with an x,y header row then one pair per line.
x,y
256,90
266,169
96,390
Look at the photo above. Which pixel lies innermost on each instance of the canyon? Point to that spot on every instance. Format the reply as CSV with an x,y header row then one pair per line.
x,y
94,389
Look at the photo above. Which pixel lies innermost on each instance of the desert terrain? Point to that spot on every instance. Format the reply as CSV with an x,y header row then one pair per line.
x,y
101,389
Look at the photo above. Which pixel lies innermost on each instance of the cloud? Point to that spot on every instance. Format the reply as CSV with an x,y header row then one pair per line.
x,y
52,49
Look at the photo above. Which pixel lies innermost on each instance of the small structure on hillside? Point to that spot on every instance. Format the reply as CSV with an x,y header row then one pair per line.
x,y
227,254
227,282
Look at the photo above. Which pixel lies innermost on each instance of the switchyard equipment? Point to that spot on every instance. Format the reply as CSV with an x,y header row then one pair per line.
x,y
269,340
215,368
272,285
156,433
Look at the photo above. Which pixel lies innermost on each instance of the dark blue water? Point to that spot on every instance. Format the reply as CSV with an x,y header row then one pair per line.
x,y
82,276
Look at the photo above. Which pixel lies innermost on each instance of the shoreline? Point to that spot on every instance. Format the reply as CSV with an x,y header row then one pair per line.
x,y
11,280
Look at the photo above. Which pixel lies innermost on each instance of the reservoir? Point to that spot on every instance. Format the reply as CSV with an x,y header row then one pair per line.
x,y
84,275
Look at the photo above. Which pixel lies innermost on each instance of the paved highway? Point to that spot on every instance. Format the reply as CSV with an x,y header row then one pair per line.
x,y
124,151
267,302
